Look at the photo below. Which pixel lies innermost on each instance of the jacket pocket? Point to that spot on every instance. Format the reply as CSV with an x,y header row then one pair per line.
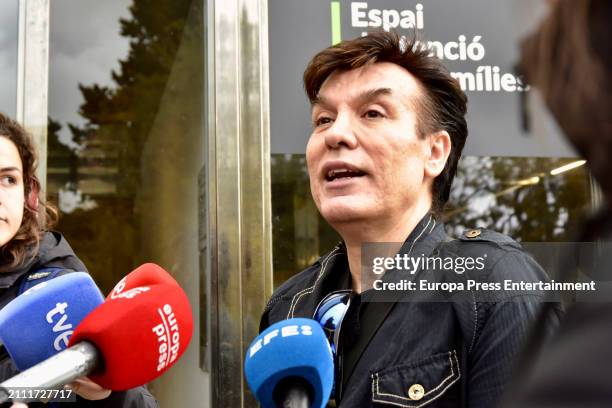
x,y
416,385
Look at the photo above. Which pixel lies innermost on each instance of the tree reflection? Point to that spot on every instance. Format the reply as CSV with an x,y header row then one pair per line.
x,y
519,197
106,166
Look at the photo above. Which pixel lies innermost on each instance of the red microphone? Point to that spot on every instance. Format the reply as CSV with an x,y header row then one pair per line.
x,y
145,275
141,329
139,332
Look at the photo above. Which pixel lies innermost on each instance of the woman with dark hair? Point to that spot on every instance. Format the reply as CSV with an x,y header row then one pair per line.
x,y
20,238
30,254
569,60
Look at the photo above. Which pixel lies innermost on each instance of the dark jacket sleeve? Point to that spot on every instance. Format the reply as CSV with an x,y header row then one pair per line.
x,y
501,330
497,349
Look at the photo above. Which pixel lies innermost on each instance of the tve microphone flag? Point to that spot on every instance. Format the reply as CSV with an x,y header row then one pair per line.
x,y
141,329
290,354
38,323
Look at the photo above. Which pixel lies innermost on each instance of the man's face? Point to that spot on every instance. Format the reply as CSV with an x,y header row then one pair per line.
x,y
365,160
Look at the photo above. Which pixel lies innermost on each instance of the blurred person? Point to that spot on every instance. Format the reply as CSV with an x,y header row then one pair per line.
x,y
568,59
29,252
388,128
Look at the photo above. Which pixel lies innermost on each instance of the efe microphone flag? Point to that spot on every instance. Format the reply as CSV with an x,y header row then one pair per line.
x,y
293,348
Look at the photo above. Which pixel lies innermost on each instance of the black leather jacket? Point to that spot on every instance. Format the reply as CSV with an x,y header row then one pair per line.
x,y
457,353
55,251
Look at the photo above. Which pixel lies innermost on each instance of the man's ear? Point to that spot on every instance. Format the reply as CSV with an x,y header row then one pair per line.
x,y
439,149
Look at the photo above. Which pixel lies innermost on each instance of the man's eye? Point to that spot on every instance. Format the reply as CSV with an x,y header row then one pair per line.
x,y
323,121
373,114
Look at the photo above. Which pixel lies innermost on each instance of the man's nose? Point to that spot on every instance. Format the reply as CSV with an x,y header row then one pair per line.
x,y
341,133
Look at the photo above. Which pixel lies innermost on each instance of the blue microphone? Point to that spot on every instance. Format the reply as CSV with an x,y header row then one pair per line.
x,y
290,364
38,324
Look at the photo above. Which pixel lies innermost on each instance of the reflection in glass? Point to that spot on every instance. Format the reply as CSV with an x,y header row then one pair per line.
x,y
299,233
9,19
530,199
125,134
125,147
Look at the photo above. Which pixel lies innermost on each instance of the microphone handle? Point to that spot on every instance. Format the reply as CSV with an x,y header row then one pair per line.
x,y
58,370
296,397
293,392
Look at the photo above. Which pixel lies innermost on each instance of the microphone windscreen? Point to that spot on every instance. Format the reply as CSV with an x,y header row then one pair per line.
x,y
290,348
38,323
145,275
141,331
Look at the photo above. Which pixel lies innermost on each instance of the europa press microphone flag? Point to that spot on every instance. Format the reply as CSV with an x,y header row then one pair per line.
x,y
139,332
141,329
50,311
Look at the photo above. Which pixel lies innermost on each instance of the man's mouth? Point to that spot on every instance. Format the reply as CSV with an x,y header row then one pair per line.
x,y
343,173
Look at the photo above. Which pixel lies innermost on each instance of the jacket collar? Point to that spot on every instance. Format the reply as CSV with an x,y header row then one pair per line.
x,y
333,267
52,245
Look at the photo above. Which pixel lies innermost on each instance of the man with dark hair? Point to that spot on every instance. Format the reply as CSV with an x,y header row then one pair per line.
x,y
439,103
388,129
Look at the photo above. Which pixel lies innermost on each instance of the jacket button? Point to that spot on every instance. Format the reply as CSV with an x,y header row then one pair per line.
x,y
416,392
472,233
